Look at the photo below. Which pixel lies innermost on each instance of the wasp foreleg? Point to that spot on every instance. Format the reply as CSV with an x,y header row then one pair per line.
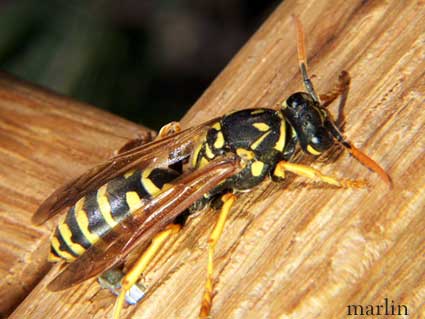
x,y
133,275
228,200
310,172
341,88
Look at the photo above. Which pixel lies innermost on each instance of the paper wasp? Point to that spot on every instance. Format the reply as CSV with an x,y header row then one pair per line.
x,y
146,192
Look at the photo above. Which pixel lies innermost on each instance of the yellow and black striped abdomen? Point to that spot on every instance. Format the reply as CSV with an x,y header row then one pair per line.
x,y
97,213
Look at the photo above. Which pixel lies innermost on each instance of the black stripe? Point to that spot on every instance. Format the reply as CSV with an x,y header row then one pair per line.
x,y
115,192
97,224
160,176
62,245
77,236
118,188
54,253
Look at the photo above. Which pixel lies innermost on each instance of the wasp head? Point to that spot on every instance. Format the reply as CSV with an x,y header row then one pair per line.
x,y
309,120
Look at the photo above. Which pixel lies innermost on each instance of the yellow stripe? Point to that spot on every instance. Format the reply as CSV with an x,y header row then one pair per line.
x,y
257,168
259,111
208,152
66,236
262,127
129,173
196,154
79,205
149,186
216,126
83,224
104,206
219,141
64,254
52,258
133,201
280,144
259,140
280,114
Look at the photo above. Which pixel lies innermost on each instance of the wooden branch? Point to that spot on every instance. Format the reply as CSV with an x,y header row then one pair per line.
x,y
294,252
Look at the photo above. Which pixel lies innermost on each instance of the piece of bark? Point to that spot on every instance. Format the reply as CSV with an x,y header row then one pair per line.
x,y
301,250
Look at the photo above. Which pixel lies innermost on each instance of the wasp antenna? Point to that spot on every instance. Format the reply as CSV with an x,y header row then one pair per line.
x,y
359,155
302,60
368,162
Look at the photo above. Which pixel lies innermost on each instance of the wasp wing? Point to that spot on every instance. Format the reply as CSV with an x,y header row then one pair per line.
x,y
162,152
142,225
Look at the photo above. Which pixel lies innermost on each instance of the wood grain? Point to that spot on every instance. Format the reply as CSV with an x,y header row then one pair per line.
x,y
45,139
292,251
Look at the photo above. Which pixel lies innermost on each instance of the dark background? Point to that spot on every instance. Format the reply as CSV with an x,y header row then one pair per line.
x,y
147,61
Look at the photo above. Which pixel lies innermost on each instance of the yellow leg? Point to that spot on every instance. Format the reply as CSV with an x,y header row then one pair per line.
x,y
228,200
307,171
133,275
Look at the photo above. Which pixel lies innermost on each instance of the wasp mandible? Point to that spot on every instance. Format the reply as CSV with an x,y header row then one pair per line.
x,y
146,192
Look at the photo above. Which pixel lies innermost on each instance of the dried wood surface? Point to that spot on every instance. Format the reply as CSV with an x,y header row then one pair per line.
x,y
45,139
294,251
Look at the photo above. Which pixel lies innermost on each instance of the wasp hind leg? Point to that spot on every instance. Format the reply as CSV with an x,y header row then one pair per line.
x,y
228,201
169,129
312,173
132,276
111,280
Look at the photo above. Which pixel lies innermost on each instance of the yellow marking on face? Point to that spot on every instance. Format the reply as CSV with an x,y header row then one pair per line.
x,y
311,150
208,152
259,140
245,154
219,141
280,144
64,254
196,154
129,173
83,224
262,127
133,200
284,105
105,206
66,236
257,168
259,111
147,183
216,126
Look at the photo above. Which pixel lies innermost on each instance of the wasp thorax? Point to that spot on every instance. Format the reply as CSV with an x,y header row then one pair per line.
x,y
306,117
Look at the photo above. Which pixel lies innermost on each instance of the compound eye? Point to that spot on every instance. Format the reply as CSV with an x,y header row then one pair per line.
x,y
298,99
319,142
